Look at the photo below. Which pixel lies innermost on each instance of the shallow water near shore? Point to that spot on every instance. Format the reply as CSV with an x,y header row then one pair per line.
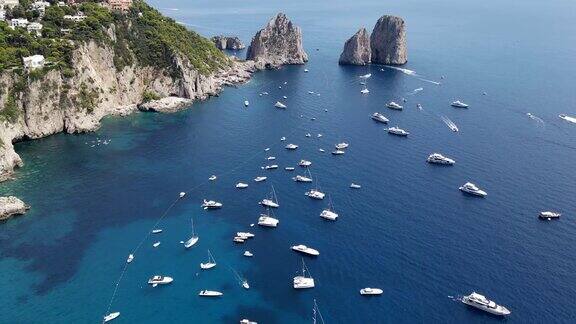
x,y
408,230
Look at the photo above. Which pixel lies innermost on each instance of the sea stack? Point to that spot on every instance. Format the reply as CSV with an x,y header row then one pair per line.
x,y
228,43
357,49
388,41
10,206
279,43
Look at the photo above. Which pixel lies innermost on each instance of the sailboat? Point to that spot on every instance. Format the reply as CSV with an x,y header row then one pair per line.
x,y
194,238
303,282
304,178
315,193
316,313
266,220
272,202
210,264
329,213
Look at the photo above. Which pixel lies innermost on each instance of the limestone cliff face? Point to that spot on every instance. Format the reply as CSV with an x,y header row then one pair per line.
x,y
10,206
228,42
280,42
55,103
357,49
388,41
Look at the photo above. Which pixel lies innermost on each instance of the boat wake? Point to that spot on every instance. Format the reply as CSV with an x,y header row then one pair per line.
x,y
430,81
568,118
415,91
411,73
449,123
536,118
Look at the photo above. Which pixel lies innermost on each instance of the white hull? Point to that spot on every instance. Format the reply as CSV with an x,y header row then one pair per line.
x,y
206,266
268,221
485,305
241,185
303,282
191,241
210,293
269,203
160,281
111,317
371,291
306,250
328,214
260,179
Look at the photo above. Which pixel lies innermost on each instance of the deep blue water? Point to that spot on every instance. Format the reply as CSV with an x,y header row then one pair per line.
x,y
408,230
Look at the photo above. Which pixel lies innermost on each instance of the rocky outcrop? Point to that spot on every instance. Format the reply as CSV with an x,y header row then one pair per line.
x,y
228,43
56,103
11,206
357,49
388,41
280,42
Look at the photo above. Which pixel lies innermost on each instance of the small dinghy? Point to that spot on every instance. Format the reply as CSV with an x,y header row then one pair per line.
x,y
110,317
130,258
248,254
246,103
271,158
282,138
338,152
355,186
280,105
156,231
289,168
157,244
212,177
270,167
260,179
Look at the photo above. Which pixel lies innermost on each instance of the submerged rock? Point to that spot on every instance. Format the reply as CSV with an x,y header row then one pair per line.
x,y
357,49
228,42
388,41
279,43
10,206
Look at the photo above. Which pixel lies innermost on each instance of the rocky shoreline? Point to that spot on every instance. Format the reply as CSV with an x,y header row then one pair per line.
x,y
11,206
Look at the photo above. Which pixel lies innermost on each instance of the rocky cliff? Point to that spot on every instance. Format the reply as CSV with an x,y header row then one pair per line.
x,y
10,206
55,103
357,49
280,42
388,41
228,43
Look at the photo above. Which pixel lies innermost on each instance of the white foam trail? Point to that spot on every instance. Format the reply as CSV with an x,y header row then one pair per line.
x,y
449,123
415,91
536,118
405,71
171,9
430,81
568,118
366,76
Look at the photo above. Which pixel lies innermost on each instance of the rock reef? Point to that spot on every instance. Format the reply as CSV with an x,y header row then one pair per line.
x,y
279,43
228,43
11,206
357,49
388,41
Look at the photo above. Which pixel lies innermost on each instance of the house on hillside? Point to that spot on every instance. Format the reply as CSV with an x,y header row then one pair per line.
x,y
18,22
8,3
34,27
2,14
120,5
33,62
77,17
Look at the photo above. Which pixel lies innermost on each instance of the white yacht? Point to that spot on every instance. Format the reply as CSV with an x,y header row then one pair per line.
x,y
130,258
549,215
211,204
246,103
291,146
355,186
159,280
303,282
472,189
239,239
248,254
210,293
304,249
289,168
182,194
245,235
271,158
212,177
568,118
282,138
338,152
156,231
395,106
193,238
329,212
270,167
321,150
260,179
285,97
245,284
241,185
280,105
211,263
371,291
267,221
483,303
156,244
300,178
379,118
304,163
315,194
438,158
271,201
397,131
458,104
341,146
365,91
110,317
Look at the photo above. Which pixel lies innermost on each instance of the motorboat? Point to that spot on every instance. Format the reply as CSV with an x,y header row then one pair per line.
x,y
379,118
182,194
319,135
321,150
110,317
437,158
267,149
315,194
397,131
300,178
156,244
248,254
159,280
285,97
271,158
371,291
481,302
260,179
304,249
355,186
338,152
211,204
282,138
267,221
472,189
395,106
289,168
270,167
271,201
239,239
280,105
365,91
341,146
303,281
245,235
458,104
549,215
156,231
211,263
304,163
193,237
308,135
246,103
212,177
306,70
241,185
130,258
245,284
291,146
310,92
247,321
210,293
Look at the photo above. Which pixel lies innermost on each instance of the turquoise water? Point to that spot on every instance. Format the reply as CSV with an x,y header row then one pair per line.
x,y
408,230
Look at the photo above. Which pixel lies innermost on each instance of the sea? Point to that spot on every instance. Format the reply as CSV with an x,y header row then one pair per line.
x,y
95,197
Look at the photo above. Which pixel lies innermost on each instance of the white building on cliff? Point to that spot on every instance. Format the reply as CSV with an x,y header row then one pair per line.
x,y
33,62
